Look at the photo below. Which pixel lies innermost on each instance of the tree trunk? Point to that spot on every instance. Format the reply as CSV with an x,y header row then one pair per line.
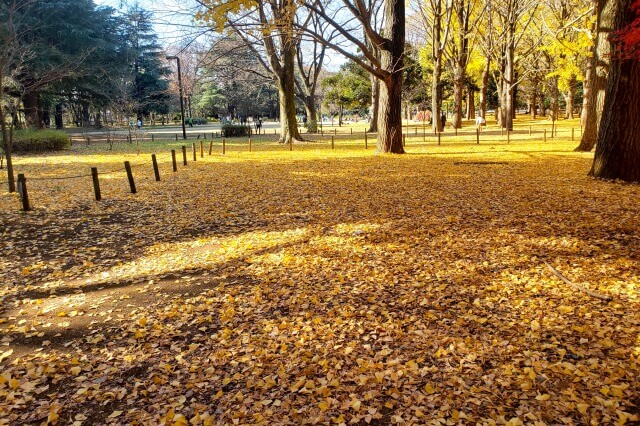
x,y
599,70
618,147
471,108
312,116
508,86
569,97
7,142
586,93
435,96
392,61
554,94
286,91
58,117
375,104
390,119
32,112
86,119
482,107
532,101
458,88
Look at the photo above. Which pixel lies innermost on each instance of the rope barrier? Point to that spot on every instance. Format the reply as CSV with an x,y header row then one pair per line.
x,y
59,178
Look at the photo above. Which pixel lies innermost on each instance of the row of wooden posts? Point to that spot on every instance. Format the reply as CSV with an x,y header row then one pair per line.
x,y
24,194
22,181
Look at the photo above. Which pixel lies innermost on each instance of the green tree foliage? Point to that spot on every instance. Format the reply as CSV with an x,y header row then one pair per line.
x,y
147,62
350,88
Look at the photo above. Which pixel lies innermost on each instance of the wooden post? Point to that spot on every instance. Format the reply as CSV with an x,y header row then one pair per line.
x,y
439,134
456,129
24,195
529,130
176,135
173,160
332,143
210,146
351,128
404,140
156,171
545,135
132,184
417,131
153,138
290,144
201,149
250,147
335,131
553,129
96,183
194,151
572,130
366,142
477,135
224,146
88,141
184,155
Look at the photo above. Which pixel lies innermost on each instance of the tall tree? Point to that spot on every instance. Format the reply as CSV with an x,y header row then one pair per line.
x,y
267,28
147,62
385,61
466,16
436,18
310,60
618,148
599,69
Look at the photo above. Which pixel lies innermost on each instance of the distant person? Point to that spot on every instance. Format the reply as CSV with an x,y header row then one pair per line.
x,y
480,122
139,124
258,125
443,121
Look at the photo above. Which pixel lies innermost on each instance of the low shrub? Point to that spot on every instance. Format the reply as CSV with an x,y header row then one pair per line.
x,y
232,130
40,141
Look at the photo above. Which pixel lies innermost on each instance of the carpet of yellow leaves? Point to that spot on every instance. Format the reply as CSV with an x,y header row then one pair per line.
x,y
322,286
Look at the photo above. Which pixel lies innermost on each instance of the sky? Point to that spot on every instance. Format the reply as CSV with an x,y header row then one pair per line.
x,y
173,19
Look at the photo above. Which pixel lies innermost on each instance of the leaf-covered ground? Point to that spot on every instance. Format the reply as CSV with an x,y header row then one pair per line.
x,y
320,286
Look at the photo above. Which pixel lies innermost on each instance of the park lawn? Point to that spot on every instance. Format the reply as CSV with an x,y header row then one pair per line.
x,y
323,286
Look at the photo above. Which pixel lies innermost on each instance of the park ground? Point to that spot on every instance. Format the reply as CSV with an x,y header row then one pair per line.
x,y
323,286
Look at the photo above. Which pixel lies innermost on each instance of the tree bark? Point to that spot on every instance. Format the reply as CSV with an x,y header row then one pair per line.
x,y
312,116
392,60
458,88
533,96
599,70
471,108
32,111
436,100
375,104
390,119
509,82
7,142
482,102
586,93
286,91
618,147
554,94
